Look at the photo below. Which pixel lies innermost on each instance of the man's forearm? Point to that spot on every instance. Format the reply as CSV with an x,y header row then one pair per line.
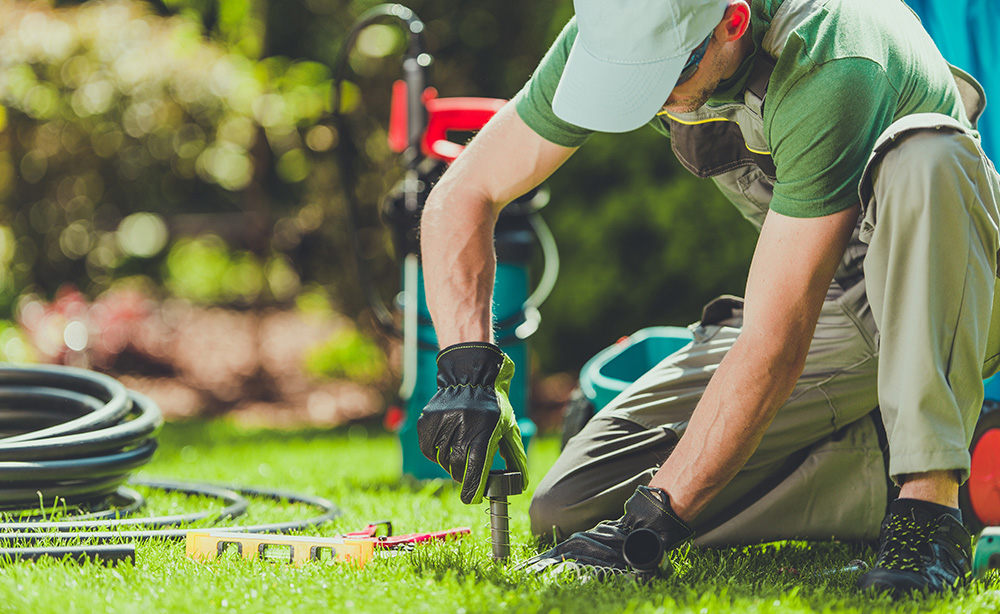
x,y
505,160
739,403
791,270
459,265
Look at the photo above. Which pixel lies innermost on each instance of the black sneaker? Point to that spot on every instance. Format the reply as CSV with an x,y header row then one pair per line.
x,y
919,550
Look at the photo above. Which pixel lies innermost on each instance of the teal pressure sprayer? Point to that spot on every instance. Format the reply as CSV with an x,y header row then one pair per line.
x,y
419,129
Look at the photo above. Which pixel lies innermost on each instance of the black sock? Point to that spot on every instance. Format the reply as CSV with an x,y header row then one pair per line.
x,y
902,506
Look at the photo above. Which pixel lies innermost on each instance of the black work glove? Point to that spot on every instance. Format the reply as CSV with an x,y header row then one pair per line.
x,y
649,520
470,417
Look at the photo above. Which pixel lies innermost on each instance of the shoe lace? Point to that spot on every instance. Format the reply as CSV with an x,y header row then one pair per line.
x,y
900,549
570,571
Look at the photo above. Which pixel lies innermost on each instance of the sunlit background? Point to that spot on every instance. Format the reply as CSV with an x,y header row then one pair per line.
x,y
171,207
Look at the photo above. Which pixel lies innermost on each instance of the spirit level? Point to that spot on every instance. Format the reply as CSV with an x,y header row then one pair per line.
x,y
296,550
357,548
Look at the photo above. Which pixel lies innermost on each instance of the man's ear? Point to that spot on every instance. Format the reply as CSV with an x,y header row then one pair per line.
x,y
735,22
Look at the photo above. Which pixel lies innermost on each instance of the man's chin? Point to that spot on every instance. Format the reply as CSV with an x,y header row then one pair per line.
x,y
682,108
690,103
687,105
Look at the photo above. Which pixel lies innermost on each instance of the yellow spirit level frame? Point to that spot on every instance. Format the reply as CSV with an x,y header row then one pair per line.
x,y
295,550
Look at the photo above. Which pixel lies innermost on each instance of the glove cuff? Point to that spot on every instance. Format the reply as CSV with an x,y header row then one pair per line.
x,y
649,508
470,345
470,364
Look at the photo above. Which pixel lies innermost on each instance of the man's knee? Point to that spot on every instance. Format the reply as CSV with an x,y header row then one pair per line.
x,y
559,509
545,513
599,469
561,506
925,150
928,168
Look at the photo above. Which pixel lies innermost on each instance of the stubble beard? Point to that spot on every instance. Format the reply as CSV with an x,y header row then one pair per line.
x,y
690,103
694,101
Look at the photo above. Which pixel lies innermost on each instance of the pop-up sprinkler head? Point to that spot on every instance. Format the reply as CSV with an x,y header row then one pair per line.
x,y
499,486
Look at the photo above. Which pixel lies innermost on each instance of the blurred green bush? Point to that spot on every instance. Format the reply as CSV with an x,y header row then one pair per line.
x,y
205,270
14,344
190,142
126,131
349,354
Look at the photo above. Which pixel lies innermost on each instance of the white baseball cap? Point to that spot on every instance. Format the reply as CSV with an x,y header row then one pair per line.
x,y
627,57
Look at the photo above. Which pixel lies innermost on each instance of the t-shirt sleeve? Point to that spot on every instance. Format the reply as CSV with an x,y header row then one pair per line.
x,y
534,101
823,128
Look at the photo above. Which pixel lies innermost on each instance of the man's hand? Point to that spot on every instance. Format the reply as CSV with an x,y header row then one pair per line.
x,y
601,550
470,417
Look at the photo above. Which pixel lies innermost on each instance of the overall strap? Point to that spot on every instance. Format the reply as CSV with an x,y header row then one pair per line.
x,y
756,87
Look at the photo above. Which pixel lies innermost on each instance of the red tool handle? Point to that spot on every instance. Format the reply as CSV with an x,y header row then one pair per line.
x,y
416,538
443,115
372,529
390,541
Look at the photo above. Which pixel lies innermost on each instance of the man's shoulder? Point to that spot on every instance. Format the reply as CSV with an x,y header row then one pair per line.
x,y
833,29
534,101
841,49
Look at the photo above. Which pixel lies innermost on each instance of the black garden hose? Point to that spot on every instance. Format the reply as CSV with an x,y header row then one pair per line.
x,y
157,527
69,433
75,436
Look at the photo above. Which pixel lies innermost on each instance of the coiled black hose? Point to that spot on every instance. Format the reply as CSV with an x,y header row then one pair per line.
x,y
76,435
69,433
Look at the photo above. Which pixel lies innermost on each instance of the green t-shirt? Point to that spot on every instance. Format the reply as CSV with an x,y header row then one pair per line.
x,y
844,75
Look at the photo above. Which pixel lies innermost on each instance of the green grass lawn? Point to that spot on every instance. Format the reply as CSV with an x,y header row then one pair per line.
x,y
360,472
